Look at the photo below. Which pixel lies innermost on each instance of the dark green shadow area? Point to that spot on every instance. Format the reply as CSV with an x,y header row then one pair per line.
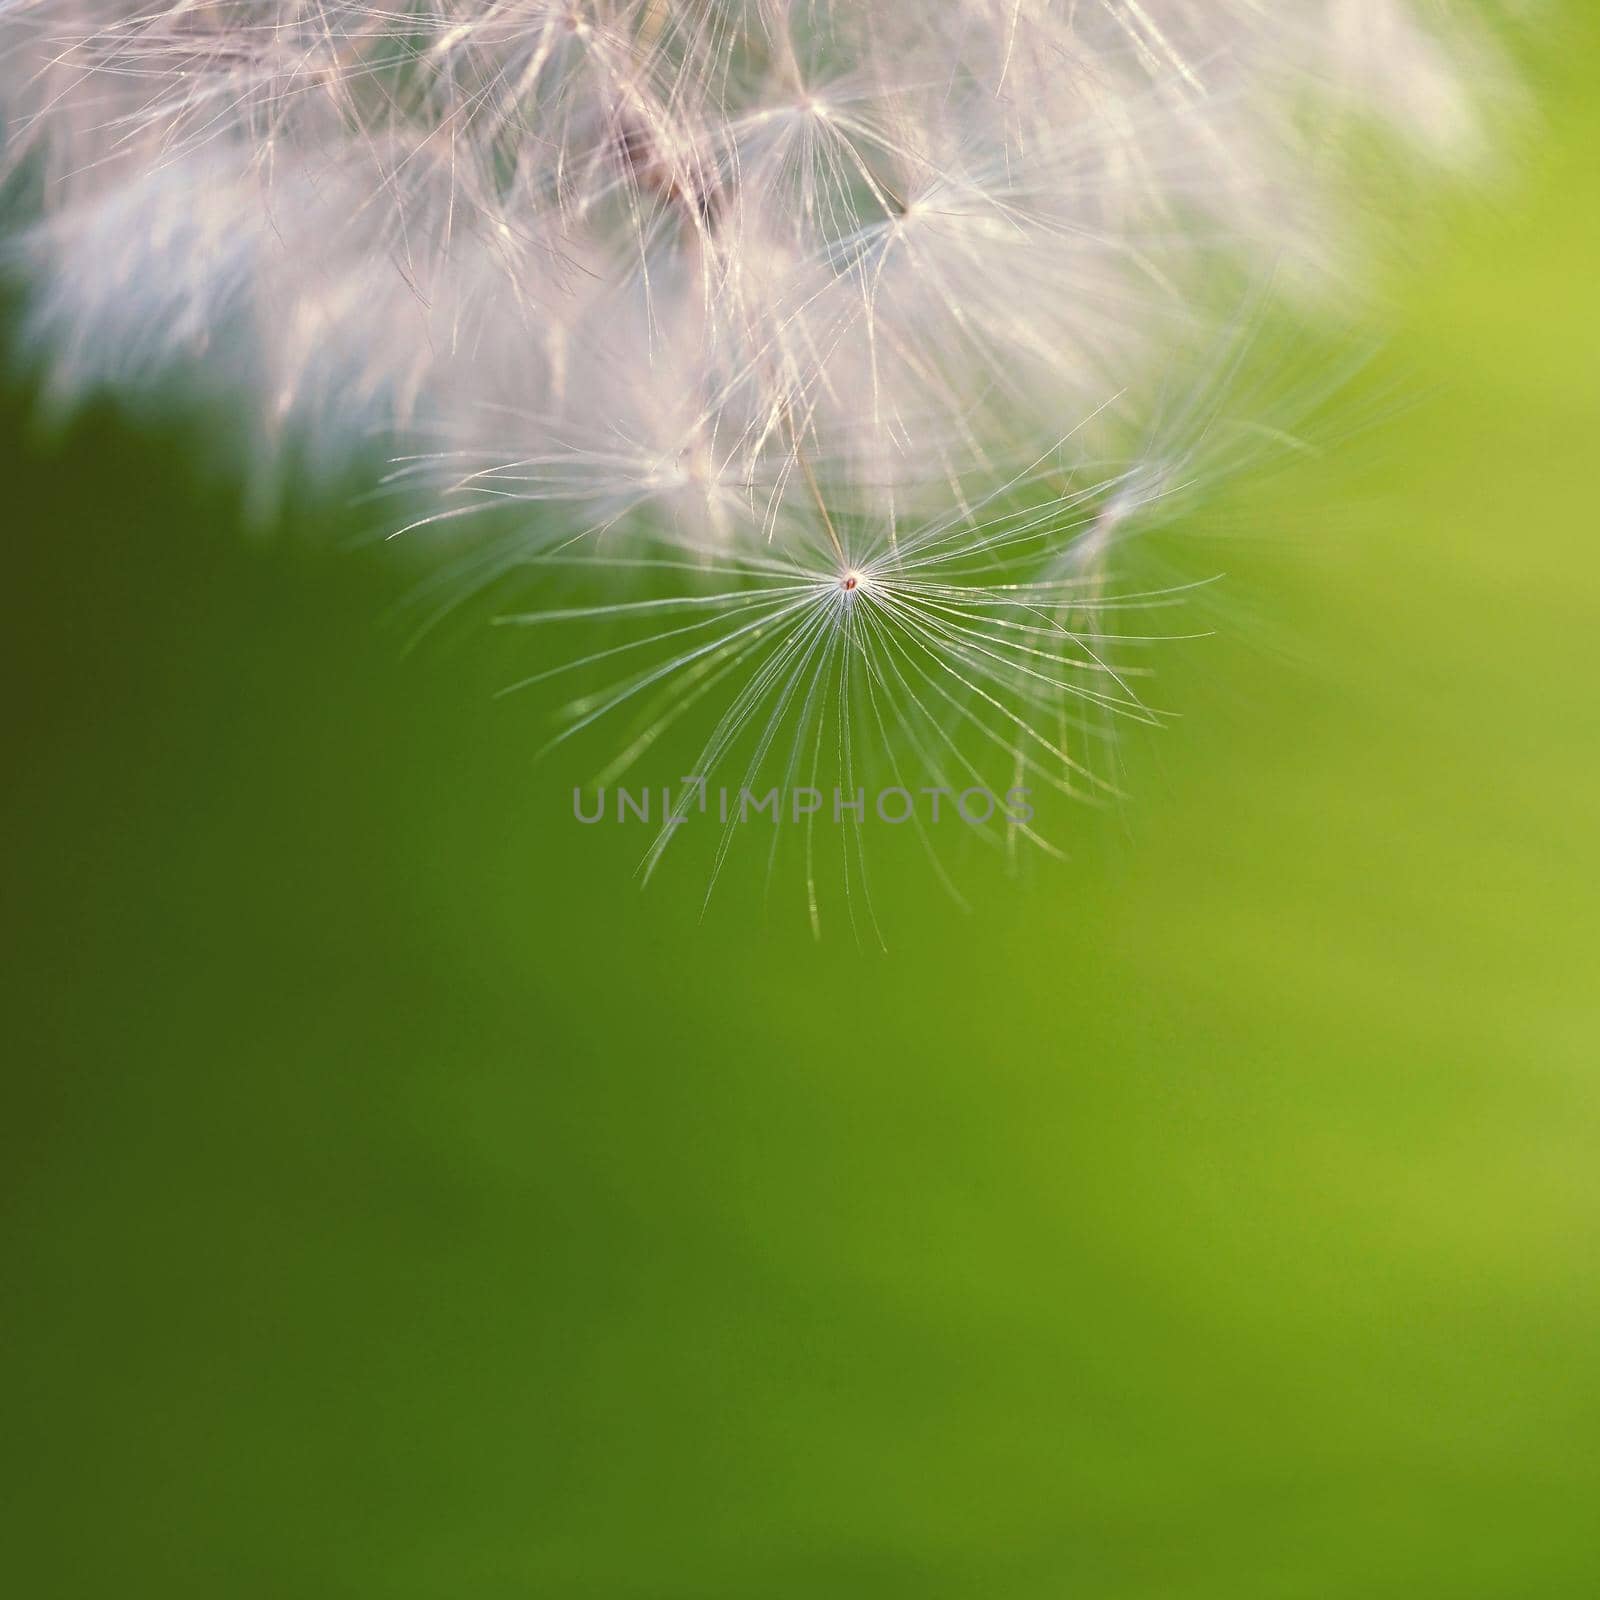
x,y
399,1204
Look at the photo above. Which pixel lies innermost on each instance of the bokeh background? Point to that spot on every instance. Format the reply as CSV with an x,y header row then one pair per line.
x,y
398,1203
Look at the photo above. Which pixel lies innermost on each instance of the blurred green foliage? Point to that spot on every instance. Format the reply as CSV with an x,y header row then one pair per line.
x,y
399,1204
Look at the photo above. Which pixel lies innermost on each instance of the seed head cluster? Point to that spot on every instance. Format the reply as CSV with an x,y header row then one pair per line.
x,y
859,332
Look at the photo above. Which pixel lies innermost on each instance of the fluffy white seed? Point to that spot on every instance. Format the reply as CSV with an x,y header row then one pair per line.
x,y
797,290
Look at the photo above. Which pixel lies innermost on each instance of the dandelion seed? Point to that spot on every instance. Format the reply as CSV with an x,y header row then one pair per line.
x,y
885,312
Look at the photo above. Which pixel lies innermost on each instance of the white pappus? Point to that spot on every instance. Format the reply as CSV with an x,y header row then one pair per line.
x,y
827,338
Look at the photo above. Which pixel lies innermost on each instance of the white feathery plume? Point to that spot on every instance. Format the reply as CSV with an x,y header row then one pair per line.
x,y
844,326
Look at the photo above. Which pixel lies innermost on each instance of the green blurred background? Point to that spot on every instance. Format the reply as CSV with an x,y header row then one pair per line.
x,y
400,1204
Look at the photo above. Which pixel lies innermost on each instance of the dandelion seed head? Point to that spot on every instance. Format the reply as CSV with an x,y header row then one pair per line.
x,y
897,313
